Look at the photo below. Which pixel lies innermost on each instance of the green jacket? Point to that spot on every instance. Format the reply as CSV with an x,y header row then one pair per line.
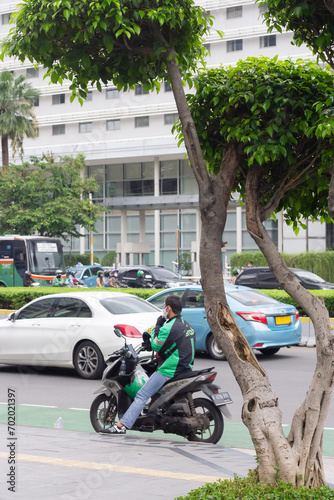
x,y
175,342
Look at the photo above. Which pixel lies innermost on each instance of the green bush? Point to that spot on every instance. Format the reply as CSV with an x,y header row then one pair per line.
x,y
109,259
14,298
250,488
321,263
71,259
282,296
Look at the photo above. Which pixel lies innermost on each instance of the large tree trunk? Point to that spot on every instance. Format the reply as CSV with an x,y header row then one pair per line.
x,y
305,438
4,147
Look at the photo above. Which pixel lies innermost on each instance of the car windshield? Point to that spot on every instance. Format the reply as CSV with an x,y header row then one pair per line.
x,y
308,276
162,273
251,298
127,305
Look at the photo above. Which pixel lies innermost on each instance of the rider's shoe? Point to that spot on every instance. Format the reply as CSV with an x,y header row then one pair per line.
x,y
117,430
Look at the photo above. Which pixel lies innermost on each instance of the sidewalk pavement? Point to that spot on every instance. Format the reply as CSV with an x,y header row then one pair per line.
x,y
70,465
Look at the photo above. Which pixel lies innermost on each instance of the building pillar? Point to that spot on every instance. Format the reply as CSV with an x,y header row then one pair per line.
x,y
280,232
239,229
156,213
124,236
142,231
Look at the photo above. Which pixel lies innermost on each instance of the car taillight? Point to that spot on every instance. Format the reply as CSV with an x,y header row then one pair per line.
x,y
129,331
259,317
297,315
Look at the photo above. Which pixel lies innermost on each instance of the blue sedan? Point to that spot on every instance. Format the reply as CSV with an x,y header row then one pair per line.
x,y
267,324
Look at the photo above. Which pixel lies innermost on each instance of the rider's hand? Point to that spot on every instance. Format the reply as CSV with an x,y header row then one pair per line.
x,y
160,321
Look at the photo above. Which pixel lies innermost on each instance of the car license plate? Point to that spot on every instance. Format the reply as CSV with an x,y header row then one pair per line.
x,y
283,320
221,398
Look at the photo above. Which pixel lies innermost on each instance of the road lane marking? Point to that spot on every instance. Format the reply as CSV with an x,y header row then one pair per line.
x,y
113,468
39,406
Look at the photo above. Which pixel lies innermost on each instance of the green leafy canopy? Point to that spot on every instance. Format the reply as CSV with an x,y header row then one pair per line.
x,y
90,42
312,22
281,114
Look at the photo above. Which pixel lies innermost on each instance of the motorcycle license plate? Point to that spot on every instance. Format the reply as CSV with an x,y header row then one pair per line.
x,y
221,398
283,320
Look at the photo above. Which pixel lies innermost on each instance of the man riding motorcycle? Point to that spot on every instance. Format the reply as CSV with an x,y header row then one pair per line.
x,y
174,341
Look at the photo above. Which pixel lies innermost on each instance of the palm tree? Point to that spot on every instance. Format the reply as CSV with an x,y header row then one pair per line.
x,y
17,119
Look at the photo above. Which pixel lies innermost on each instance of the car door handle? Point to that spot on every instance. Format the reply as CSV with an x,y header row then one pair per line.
x,y
76,325
36,324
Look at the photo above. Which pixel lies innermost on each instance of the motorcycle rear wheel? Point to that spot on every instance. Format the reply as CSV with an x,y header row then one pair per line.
x,y
216,426
98,412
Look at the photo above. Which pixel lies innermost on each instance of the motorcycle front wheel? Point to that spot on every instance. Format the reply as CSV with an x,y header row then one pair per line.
x,y
216,426
103,412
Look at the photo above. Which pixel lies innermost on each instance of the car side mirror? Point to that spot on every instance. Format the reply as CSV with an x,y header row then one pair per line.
x,y
11,317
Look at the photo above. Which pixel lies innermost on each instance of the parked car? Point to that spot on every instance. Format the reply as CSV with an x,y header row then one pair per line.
x,y
86,274
263,277
74,330
155,276
267,324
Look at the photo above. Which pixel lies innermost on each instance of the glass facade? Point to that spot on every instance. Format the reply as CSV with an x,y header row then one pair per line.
x,y
175,178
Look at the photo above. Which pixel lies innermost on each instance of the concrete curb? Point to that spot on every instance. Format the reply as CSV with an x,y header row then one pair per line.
x,y
308,337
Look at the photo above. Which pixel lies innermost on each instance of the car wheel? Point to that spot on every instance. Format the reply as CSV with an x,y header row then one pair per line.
x,y
270,351
88,360
213,349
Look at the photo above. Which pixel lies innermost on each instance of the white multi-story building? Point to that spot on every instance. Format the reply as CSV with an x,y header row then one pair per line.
x,y
143,176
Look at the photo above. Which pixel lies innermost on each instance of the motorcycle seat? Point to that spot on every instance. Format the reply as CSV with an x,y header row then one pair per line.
x,y
191,374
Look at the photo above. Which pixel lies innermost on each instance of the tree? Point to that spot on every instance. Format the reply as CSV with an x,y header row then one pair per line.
x,y
17,119
277,116
47,197
144,42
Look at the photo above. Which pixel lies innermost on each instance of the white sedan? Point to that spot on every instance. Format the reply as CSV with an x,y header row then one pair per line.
x,y
74,330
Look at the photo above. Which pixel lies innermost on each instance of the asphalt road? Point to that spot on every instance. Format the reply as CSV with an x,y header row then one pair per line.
x,y
290,372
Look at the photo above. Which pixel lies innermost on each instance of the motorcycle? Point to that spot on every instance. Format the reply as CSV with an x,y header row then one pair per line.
x,y
172,409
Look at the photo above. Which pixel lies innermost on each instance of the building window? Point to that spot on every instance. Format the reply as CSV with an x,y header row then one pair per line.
x,y
168,88
139,90
232,12
58,129
233,45
58,99
35,101
142,121
89,96
85,127
169,173
139,179
113,124
171,118
5,18
112,93
267,41
32,72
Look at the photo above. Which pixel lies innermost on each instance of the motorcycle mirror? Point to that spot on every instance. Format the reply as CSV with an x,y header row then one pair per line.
x,y
118,332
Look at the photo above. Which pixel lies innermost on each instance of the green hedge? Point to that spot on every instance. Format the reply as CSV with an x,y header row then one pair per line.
x,y
282,296
251,489
14,298
321,263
